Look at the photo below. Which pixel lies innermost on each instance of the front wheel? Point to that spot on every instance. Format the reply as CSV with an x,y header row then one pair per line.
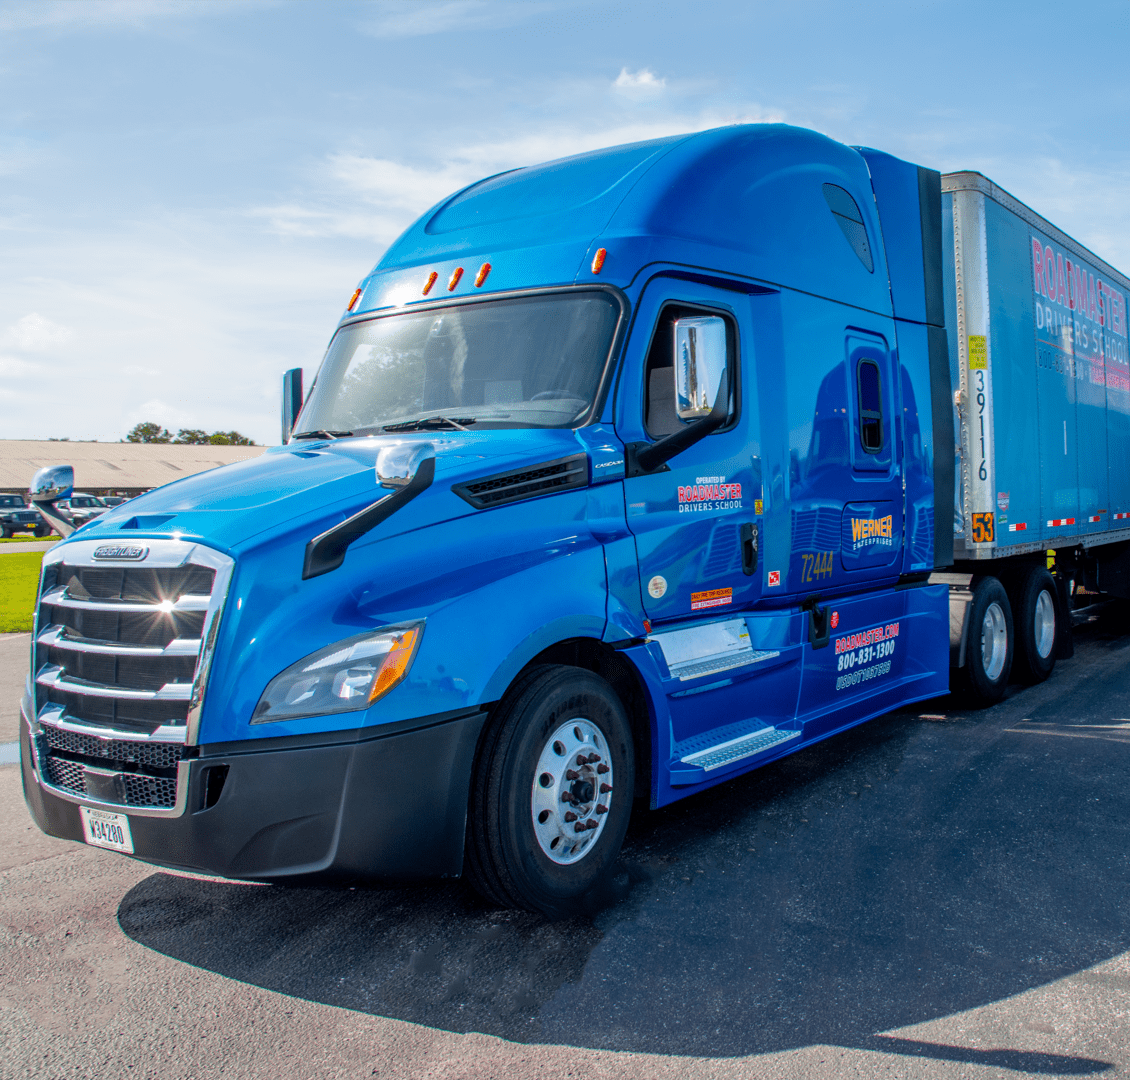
x,y
551,793
990,643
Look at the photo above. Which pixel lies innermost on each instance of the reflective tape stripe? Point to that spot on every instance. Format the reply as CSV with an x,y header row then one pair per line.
x,y
1061,521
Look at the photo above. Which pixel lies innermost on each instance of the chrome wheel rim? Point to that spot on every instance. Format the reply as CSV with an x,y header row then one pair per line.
x,y
1044,624
572,791
994,641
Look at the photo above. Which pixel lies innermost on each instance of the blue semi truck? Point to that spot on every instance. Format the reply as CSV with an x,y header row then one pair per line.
x,y
622,475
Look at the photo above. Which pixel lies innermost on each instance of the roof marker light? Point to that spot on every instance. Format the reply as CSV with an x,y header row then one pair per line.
x,y
456,275
432,278
598,260
482,275
354,298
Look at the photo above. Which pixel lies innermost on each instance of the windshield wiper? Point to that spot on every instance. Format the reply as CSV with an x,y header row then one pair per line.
x,y
430,422
322,434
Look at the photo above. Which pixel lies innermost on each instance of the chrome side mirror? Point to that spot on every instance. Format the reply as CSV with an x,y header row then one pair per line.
x,y
700,363
397,464
48,486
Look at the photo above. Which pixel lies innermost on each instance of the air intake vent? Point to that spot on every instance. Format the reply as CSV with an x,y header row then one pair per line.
x,y
560,475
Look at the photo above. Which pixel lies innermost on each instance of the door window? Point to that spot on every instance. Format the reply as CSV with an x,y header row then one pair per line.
x,y
870,406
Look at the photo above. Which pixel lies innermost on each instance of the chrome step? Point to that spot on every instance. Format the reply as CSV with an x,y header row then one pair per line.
x,y
715,757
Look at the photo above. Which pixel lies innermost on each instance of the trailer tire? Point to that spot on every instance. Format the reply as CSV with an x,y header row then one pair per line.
x,y
1037,618
990,644
521,850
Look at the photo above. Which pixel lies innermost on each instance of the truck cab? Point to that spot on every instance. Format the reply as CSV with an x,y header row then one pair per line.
x,y
617,480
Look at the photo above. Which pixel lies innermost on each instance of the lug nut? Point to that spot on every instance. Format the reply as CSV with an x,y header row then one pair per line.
x,y
572,774
569,797
593,757
580,827
600,809
605,788
581,759
570,816
602,769
592,823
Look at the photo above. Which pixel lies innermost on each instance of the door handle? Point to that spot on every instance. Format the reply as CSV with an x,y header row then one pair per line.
x,y
749,547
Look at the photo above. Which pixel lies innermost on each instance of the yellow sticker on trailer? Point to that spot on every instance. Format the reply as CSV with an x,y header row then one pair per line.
x,y
978,351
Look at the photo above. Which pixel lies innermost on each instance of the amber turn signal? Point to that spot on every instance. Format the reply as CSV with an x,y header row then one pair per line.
x,y
432,277
482,275
396,663
353,299
455,278
598,260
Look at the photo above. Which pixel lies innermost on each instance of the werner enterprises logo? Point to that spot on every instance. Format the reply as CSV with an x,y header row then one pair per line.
x,y
866,532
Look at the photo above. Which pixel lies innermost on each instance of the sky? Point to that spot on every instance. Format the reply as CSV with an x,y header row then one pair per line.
x,y
190,191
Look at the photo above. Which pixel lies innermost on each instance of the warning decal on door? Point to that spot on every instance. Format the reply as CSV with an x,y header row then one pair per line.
x,y
711,598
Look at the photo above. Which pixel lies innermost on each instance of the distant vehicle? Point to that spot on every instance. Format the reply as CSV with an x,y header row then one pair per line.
x,y
114,500
17,517
83,508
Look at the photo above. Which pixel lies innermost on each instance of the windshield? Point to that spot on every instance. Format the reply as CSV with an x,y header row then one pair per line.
x,y
11,500
530,361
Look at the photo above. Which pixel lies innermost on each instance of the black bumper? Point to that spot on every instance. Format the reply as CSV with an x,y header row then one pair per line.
x,y
390,807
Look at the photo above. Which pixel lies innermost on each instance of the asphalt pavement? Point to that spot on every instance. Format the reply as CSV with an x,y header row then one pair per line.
x,y
938,893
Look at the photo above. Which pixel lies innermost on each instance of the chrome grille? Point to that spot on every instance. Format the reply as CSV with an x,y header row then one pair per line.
x,y
121,657
117,751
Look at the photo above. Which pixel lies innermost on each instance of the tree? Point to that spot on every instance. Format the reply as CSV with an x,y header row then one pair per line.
x,y
229,438
154,433
149,433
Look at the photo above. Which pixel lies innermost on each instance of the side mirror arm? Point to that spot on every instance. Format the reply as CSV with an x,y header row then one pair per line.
x,y
645,457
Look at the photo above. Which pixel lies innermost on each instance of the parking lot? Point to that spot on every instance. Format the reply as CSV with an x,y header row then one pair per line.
x,y
939,893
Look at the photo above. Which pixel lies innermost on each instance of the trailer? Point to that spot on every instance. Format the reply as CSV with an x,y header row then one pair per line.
x,y
621,476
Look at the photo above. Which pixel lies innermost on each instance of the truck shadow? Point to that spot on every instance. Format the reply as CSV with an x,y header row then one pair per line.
x,y
927,863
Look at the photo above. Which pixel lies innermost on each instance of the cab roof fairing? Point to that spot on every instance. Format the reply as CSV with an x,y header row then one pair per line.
x,y
744,200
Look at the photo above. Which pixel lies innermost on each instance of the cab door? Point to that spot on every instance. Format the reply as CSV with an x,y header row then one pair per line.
x,y
696,518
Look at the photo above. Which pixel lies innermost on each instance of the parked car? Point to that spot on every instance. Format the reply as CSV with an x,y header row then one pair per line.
x,y
17,517
114,500
83,508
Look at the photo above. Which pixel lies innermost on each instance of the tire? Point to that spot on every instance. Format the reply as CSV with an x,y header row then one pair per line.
x,y
990,643
5,533
1037,621
524,848
41,530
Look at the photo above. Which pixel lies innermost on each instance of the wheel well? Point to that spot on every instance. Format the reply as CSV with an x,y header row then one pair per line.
x,y
610,665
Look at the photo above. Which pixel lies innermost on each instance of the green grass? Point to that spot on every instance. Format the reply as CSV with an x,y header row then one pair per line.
x,y
19,578
27,539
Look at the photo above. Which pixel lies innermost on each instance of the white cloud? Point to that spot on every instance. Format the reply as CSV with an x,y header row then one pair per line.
x,y
34,333
639,85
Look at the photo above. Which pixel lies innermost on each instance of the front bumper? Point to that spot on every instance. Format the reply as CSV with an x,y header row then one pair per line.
x,y
387,806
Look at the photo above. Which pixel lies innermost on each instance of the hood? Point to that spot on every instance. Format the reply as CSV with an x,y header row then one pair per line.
x,y
311,485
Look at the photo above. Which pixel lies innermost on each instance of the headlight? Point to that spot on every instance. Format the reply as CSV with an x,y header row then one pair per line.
x,y
344,677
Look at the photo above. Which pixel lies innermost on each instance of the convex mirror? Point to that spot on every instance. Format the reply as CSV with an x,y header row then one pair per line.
x,y
700,362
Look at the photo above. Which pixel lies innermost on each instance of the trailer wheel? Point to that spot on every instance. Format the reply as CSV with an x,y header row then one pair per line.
x,y
989,648
551,792
1036,624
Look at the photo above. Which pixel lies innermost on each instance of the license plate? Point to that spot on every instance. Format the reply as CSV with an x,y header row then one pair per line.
x,y
104,829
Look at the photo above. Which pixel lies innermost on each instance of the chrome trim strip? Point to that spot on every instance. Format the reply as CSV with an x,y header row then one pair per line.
x,y
55,716
55,637
52,675
217,602
162,553
58,597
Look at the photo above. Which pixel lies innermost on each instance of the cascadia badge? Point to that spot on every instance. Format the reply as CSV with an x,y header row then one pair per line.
x,y
121,551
